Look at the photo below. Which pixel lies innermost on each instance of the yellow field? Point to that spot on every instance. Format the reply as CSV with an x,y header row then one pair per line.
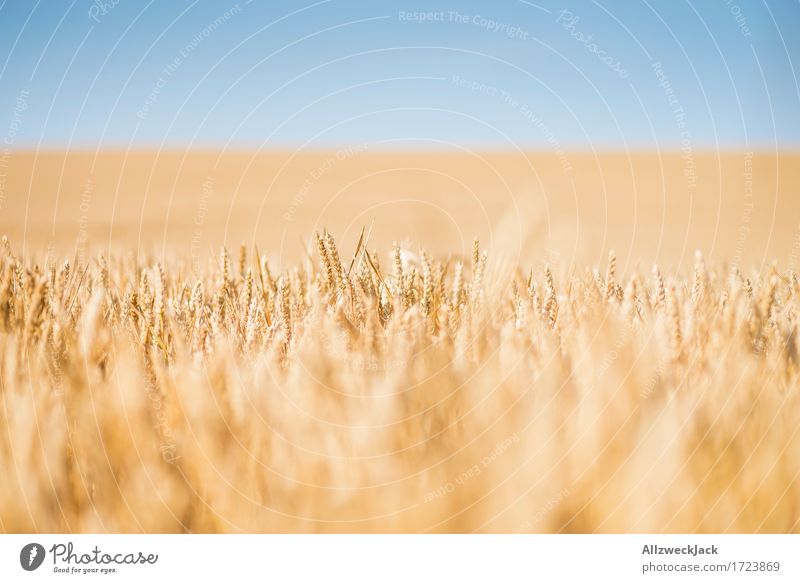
x,y
648,207
528,381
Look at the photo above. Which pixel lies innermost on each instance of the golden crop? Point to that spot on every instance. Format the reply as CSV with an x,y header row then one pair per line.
x,y
350,394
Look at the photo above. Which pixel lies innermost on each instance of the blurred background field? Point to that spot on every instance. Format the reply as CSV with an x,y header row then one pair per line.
x,y
742,208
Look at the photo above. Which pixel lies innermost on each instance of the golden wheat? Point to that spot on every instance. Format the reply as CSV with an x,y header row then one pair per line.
x,y
336,397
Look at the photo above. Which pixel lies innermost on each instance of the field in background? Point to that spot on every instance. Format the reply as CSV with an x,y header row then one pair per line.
x,y
736,207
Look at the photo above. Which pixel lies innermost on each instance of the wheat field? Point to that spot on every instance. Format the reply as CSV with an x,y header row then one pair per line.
x,y
395,390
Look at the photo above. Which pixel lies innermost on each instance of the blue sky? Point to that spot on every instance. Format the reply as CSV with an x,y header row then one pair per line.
x,y
400,74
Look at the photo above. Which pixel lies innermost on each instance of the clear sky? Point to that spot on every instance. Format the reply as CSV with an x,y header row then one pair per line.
x,y
404,74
